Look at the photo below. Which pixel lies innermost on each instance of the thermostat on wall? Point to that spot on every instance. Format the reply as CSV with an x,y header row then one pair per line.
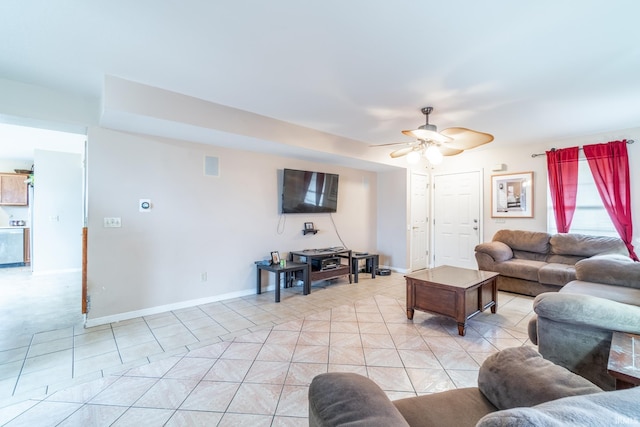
x,y
144,205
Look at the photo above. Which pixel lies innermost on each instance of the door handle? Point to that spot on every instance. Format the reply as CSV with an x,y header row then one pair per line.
x,y
475,228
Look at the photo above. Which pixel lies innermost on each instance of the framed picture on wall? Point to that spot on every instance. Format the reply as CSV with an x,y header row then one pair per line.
x,y
308,226
512,195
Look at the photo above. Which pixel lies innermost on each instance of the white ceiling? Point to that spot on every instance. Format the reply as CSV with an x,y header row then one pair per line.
x,y
524,71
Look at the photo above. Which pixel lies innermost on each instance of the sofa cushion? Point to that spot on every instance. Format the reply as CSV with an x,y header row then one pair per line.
x,y
438,409
586,246
564,259
610,269
600,409
530,241
520,268
519,376
533,256
621,294
556,274
585,312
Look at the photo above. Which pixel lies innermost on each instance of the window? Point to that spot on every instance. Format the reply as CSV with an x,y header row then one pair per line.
x,y
590,216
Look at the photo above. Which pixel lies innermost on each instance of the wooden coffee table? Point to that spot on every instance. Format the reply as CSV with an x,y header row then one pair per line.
x,y
456,292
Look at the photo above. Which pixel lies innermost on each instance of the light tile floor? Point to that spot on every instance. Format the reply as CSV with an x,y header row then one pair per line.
x,y
245,361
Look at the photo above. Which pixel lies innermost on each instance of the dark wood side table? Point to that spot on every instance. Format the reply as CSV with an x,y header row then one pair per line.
x,y
371,264
624,360
460,293
288,270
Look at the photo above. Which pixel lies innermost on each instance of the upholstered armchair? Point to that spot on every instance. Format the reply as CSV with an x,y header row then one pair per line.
x,y
573,328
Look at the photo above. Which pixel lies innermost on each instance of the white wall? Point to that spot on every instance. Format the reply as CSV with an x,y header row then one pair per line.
x,y
57,212
218,225
393,218
518,159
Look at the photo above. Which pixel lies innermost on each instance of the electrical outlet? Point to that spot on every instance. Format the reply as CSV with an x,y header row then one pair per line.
x,y
112,223
203,277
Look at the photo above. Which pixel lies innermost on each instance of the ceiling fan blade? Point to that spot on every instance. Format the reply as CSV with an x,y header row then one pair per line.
x,y
427,135
447,151
391,143
401,152
465,139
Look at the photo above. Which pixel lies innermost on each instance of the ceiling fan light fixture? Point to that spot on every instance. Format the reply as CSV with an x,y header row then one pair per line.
x,y
413,157
433,155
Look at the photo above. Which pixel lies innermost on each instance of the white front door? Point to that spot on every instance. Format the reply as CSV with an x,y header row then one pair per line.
x,y
456,219
419,221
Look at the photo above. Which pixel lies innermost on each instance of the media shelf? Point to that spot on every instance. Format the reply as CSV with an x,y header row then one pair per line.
x,y
325,263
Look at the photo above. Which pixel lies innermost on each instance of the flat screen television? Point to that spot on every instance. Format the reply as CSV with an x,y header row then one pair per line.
x,y
309,192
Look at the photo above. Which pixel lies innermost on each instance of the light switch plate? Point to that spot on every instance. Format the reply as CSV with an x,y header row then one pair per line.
x,y
112,222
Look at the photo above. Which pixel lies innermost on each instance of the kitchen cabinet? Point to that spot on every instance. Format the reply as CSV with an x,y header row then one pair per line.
x,y
11,246
13,189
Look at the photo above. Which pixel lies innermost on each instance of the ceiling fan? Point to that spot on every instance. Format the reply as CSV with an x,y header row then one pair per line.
x,y
433,144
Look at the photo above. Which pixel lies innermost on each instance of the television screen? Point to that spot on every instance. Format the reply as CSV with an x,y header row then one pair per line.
x,y
309,192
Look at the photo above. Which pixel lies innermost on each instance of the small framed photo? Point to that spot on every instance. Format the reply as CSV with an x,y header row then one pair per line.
x,y
308,226
275,257
512,195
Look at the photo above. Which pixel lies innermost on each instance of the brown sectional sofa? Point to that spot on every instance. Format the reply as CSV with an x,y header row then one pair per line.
x,y
533,262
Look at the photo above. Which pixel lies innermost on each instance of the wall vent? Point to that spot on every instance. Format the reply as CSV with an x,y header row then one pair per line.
x,y
211,166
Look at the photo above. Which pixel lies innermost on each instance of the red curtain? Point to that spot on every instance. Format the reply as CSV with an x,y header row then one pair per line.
x,y
562,168
609,164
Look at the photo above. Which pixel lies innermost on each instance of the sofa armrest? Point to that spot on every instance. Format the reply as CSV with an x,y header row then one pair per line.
x,y
609,269
519,376
590,311
344,398
493,252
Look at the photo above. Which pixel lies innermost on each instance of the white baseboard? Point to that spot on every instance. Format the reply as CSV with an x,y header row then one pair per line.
x,y
89,323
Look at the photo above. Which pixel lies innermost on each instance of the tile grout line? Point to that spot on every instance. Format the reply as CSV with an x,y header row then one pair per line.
x,y
24,362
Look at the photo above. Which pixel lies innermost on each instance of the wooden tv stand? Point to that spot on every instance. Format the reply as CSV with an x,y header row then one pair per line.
x,y
315,256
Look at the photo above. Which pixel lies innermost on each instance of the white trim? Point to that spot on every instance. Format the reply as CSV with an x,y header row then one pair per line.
x,y
89,323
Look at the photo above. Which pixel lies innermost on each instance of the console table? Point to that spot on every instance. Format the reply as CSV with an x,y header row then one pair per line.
x,y
288,270
314,257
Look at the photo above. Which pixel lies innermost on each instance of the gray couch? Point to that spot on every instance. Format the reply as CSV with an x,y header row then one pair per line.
x,y
573,327
532,262
516,387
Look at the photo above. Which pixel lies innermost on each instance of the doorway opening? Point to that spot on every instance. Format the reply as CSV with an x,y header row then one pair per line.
x,y
51,219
